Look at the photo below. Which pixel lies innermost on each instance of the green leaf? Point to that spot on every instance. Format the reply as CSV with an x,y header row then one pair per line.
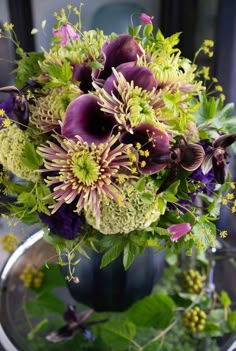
x,y
225,299
44,304
30,158
37,328
95,65
147,30
112,254
117,334
204,233
153,346
130,253
53,277
232,321
153,311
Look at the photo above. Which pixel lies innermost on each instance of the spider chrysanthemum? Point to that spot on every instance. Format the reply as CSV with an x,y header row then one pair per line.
x,y
85,173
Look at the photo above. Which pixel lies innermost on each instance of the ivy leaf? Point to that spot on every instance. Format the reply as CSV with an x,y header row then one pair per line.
x,y
118,335
153,311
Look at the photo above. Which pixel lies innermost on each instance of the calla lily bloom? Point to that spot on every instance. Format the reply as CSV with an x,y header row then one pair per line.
x,y
217,157
66,31
145,18
82,73
121,50
141,77
148,141
178,230
84,118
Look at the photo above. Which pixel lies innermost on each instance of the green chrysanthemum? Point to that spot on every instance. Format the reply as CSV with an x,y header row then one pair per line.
x,y
12,144
50,108
134,104
137,210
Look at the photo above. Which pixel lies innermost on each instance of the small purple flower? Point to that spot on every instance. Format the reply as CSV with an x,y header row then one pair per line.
x,y
148,141
217,156
65,222
121,50
84,117
178,230
16,106
65,31
145,18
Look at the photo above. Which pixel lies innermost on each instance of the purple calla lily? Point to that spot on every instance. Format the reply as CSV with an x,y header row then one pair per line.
x,y
82,73
141,76
151,141
84,117
121,50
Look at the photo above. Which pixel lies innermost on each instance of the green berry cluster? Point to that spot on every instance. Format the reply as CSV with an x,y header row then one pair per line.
x,y
32,277
194,320
192,281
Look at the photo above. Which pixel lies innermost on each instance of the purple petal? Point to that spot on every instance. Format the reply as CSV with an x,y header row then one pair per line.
x,y
145,18
225,140
178,230
121,50
7,104
65,222
84,118
151,139
83,73
141,76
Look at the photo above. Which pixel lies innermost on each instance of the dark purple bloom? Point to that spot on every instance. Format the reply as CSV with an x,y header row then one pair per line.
x,y
217,155
148,141
84,118
121,50
65,222
16,106
141,76
82,73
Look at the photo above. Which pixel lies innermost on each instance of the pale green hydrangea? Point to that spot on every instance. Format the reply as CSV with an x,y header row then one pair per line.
x,y
12,143
137,211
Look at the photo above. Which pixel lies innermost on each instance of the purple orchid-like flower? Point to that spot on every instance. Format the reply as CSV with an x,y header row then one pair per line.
x,y
82,73
121,50
65,31
147,141
140,76
84,117
146,19
65,222
217,157
178,230
188,156
16,106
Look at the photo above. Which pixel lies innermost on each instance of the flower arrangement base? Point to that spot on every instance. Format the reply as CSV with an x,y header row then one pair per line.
x,y
113,288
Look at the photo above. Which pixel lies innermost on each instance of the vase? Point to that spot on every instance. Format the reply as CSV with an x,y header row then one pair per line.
x,y
113,288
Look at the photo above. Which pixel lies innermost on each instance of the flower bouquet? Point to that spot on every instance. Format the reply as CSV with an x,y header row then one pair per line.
x,y
115,142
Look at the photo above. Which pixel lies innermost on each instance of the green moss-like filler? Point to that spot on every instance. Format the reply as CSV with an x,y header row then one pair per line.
x,y
137,210
12,144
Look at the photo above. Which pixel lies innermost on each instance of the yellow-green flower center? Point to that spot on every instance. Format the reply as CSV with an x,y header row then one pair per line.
x,y
140,110
85,167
